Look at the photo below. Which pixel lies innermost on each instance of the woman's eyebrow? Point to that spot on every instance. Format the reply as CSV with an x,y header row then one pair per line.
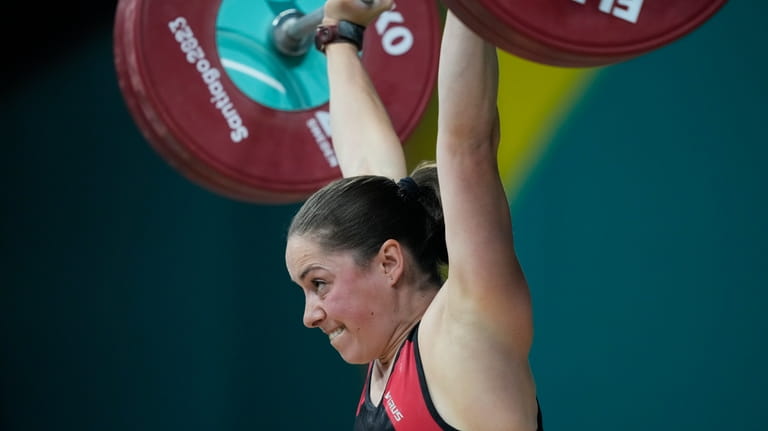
x,y
307,270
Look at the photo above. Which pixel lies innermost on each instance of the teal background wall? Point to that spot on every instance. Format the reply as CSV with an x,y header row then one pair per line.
x,y
643,233
132,299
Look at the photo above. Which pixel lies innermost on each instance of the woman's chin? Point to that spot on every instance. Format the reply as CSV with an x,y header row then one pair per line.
x,y
354,359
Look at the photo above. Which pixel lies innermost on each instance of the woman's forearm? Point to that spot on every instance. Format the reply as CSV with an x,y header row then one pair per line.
x,y
467,88
363,136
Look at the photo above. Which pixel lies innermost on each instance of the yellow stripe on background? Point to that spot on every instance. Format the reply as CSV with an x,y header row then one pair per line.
x,y
533,100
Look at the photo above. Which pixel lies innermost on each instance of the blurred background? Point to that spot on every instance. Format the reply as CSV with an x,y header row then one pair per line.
x,y
133,299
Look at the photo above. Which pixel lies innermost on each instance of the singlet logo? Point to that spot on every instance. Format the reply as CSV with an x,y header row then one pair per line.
x,y
393,407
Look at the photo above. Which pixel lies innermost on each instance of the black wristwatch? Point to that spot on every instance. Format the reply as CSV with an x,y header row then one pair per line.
x,y
344,31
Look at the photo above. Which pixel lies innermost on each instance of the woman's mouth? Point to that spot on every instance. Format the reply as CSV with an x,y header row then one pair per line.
x,y
335,333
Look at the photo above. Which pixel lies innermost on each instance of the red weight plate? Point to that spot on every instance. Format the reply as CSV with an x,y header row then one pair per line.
x,y
240,148
152,126
582,33
135,93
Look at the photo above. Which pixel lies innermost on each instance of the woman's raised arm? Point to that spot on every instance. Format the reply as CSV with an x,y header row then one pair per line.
x,y
484,277
363,136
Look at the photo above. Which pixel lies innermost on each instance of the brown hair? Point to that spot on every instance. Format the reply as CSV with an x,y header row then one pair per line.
x,y
359,213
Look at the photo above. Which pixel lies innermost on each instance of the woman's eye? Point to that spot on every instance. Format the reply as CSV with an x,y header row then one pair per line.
x,y
319,284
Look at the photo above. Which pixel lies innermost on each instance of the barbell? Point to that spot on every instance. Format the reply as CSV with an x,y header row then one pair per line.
x,y
228,93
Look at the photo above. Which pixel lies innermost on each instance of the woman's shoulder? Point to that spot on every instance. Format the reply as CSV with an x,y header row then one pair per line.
x,y
473,373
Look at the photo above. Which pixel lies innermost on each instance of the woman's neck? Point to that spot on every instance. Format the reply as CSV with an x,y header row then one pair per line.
x,y
410,308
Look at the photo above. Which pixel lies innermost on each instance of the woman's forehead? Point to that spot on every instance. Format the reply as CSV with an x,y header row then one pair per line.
x,y
301,252
301,245
298,249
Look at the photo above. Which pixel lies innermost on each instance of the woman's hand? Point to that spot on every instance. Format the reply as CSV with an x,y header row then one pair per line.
x,y
360,12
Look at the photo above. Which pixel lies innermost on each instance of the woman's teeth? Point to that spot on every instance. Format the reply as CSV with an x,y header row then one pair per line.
x,y
335,333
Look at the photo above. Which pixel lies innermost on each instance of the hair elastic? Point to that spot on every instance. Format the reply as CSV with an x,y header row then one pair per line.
x,y
408,188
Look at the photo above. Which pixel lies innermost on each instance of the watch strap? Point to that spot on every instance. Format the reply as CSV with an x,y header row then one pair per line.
x,y
344,31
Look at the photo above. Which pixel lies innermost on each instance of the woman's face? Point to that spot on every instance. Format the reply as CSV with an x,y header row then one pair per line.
x,y
351,304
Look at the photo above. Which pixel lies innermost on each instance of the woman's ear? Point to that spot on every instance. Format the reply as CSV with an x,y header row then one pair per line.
x,y
391,260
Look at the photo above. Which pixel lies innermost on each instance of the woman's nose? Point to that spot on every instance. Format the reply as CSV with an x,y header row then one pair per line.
x,y
313,312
